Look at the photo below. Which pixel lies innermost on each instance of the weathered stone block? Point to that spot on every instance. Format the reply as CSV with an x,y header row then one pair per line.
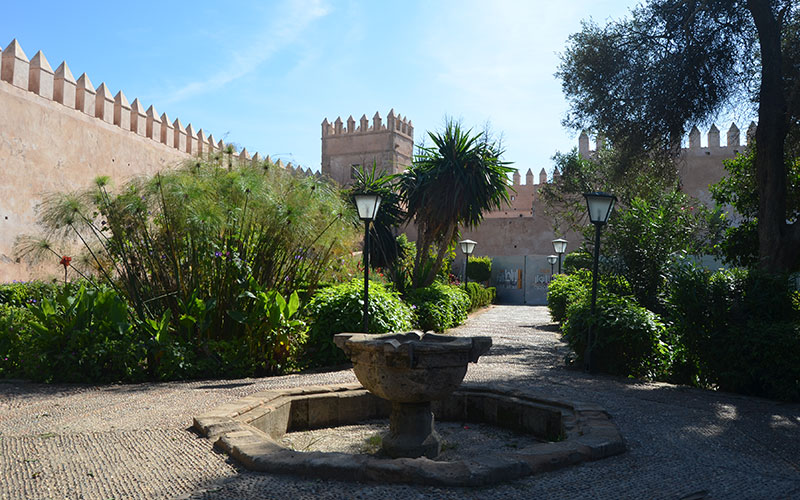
x,y
323,410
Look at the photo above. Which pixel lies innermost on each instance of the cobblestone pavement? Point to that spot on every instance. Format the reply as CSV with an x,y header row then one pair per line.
x,y
134,441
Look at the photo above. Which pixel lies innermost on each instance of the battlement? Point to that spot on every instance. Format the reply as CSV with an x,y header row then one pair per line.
x,y
516,178
390,146
60,86
397,123
712,147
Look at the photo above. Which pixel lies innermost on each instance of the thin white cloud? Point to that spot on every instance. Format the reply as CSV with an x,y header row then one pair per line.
x,y
285,26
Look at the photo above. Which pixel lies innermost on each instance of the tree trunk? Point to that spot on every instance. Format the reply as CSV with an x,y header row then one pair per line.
x,y
444,244
777,241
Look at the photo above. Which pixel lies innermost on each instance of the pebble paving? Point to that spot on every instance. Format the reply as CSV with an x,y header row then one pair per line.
x,y
135,442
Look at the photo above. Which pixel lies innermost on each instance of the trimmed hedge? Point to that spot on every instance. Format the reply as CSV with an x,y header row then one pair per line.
x,y
439,306
565,289
479,296
339,309
479,268
628,337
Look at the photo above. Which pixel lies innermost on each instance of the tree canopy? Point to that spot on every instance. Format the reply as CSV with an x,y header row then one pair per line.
x,y
451,183
672,64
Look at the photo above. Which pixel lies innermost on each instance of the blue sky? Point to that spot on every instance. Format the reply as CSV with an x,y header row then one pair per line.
x,y
264,74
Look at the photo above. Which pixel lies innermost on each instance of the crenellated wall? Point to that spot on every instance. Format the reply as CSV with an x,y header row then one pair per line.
x,y
389,145
522,229
58,134
698,166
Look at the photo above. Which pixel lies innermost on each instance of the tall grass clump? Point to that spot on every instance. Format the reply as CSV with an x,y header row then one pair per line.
x,y
195,250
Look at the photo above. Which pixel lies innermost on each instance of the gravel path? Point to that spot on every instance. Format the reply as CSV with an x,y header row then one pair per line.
x,y
134,441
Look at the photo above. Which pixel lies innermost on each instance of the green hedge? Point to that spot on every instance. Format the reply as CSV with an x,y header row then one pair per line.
x,y
629,339
479,295
339,309
438,307
479,268
565,289
739,329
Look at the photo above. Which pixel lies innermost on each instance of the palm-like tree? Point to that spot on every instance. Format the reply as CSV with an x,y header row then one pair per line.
x,y
451,183
384,250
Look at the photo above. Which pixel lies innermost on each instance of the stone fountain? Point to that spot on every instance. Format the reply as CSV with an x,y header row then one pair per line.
x,y
410,370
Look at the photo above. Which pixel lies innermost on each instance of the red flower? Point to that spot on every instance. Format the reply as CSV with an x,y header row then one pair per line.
x,y
65,261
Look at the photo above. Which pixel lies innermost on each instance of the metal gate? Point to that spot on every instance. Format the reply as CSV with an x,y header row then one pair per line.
x,y
521,279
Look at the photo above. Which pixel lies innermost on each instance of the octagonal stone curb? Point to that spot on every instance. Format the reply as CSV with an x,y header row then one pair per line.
x,y
248,430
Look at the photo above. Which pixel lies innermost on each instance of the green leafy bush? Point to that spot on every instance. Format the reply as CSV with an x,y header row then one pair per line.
x,y
479,268
439,306
740,330
579,259
273,333
563,290
339,309
479,295
645,236
628,337
20,294
14,332
79,335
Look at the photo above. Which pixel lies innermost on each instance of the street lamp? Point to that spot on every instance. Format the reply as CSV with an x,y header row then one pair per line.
x,y
552,259
467,246
599,206
367,205
560,246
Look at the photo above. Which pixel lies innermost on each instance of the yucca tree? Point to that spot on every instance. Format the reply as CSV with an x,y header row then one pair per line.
x,y
450,184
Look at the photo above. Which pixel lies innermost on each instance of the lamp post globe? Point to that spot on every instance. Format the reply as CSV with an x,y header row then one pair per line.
x,y
467,246
560,247
552,259
367,205
599,205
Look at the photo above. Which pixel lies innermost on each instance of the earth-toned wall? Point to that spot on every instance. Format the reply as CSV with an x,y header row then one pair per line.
x,y
59,134
390,146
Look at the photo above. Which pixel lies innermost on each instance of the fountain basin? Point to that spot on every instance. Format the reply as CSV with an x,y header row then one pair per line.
x,y
411,367
410,370
249,430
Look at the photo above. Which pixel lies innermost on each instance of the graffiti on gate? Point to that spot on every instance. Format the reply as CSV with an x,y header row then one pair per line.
x,y
510,278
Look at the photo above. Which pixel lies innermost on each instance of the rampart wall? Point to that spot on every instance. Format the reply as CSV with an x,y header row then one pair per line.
x,y
58,133
521,228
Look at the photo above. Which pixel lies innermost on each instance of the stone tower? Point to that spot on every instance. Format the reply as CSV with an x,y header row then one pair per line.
x,y
390,145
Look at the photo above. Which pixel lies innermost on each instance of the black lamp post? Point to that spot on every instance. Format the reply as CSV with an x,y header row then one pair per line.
x,y
600,206
552,259
367,205
560,246
467,246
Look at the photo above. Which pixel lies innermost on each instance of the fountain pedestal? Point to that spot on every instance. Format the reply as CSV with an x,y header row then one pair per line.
x,y
411,432
410,370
